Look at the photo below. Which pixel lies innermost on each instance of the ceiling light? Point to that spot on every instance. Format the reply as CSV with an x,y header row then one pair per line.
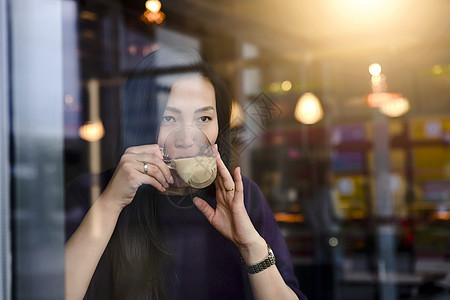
x,y
308,109
375,69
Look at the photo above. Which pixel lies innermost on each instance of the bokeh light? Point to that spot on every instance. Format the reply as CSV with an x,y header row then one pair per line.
x,y
375,69
92,131
237,115
308,109
437,69
286,85
395,107
153,5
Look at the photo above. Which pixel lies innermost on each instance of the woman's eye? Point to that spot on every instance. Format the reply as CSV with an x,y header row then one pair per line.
x,y
204,119
168,119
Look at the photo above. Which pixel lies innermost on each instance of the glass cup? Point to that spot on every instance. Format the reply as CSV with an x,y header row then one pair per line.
x,y
190,158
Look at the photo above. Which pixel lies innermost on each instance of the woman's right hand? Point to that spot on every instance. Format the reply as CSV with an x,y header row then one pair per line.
x,y
129,174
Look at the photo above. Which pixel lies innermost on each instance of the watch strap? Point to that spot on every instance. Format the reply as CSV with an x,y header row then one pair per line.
x,y
262,265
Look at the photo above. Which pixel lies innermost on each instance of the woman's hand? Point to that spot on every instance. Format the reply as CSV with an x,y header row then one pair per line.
x,y
130,174
230,217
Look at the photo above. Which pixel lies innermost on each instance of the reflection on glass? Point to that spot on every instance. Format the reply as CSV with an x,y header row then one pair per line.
x,y
189,155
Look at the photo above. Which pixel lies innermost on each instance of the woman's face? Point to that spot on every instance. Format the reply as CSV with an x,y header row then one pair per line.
x,y
191,102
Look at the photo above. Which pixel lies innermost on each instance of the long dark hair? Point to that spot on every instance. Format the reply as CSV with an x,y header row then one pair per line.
x,y
137,252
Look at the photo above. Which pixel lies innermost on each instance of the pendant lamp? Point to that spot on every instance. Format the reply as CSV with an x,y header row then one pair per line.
x,y
308,109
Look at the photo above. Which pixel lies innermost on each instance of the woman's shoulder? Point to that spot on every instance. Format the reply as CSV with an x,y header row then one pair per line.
x,y
249,183
251,188
253,197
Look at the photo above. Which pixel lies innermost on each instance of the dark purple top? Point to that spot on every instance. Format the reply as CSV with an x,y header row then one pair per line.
x,y
206,265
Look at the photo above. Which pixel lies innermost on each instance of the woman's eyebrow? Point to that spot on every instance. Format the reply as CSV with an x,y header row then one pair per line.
x,y
173,109
204,109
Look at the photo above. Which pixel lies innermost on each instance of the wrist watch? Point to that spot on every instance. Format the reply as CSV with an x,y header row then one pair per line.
x,y
262,265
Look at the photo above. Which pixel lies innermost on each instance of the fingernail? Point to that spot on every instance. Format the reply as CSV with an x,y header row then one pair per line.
x,y
166,185
171,180
163,189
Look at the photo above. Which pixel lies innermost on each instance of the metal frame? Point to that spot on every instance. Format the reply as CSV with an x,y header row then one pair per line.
x,y
36,151
5,236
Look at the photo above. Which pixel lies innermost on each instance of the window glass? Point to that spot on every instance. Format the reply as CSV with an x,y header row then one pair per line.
x,y
36,119
343,124
340,116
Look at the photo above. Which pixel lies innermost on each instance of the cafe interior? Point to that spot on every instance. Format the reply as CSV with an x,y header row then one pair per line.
x,y
341,115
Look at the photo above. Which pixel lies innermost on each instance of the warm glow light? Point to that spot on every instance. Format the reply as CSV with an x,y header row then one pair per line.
x,y
363,11
92,131
395,107
150,17
88,15
442,215
274,87
437,69
378,99
375,69
378,83
376,80
153,5
153,13
363,15
237,115
286,85
308,109
288,217
357,214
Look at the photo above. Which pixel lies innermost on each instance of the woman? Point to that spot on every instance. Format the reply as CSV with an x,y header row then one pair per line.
x,y
133,243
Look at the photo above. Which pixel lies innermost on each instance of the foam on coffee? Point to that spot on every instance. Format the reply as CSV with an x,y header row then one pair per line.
x,y
198,172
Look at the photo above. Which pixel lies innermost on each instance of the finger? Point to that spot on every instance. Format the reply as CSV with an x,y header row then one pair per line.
x,y
227,188
220,182
145,179
157,161
224,173
204,208
239,186
145,164
155,172
219,187
153,148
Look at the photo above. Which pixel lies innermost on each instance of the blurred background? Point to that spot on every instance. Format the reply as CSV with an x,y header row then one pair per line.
x,y
341,115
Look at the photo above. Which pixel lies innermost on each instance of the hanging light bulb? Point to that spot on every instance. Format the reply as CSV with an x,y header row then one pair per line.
x,y
153,14
92,131
153,5
308,109
375,69
395,107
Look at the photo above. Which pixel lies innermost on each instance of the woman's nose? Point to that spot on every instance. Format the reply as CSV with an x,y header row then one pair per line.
x,y
185,138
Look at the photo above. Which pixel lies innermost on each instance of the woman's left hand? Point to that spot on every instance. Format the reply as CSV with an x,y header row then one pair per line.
x,y
230,217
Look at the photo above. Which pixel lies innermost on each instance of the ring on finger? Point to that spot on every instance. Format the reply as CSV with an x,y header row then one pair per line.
x,y
229,190
145,167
